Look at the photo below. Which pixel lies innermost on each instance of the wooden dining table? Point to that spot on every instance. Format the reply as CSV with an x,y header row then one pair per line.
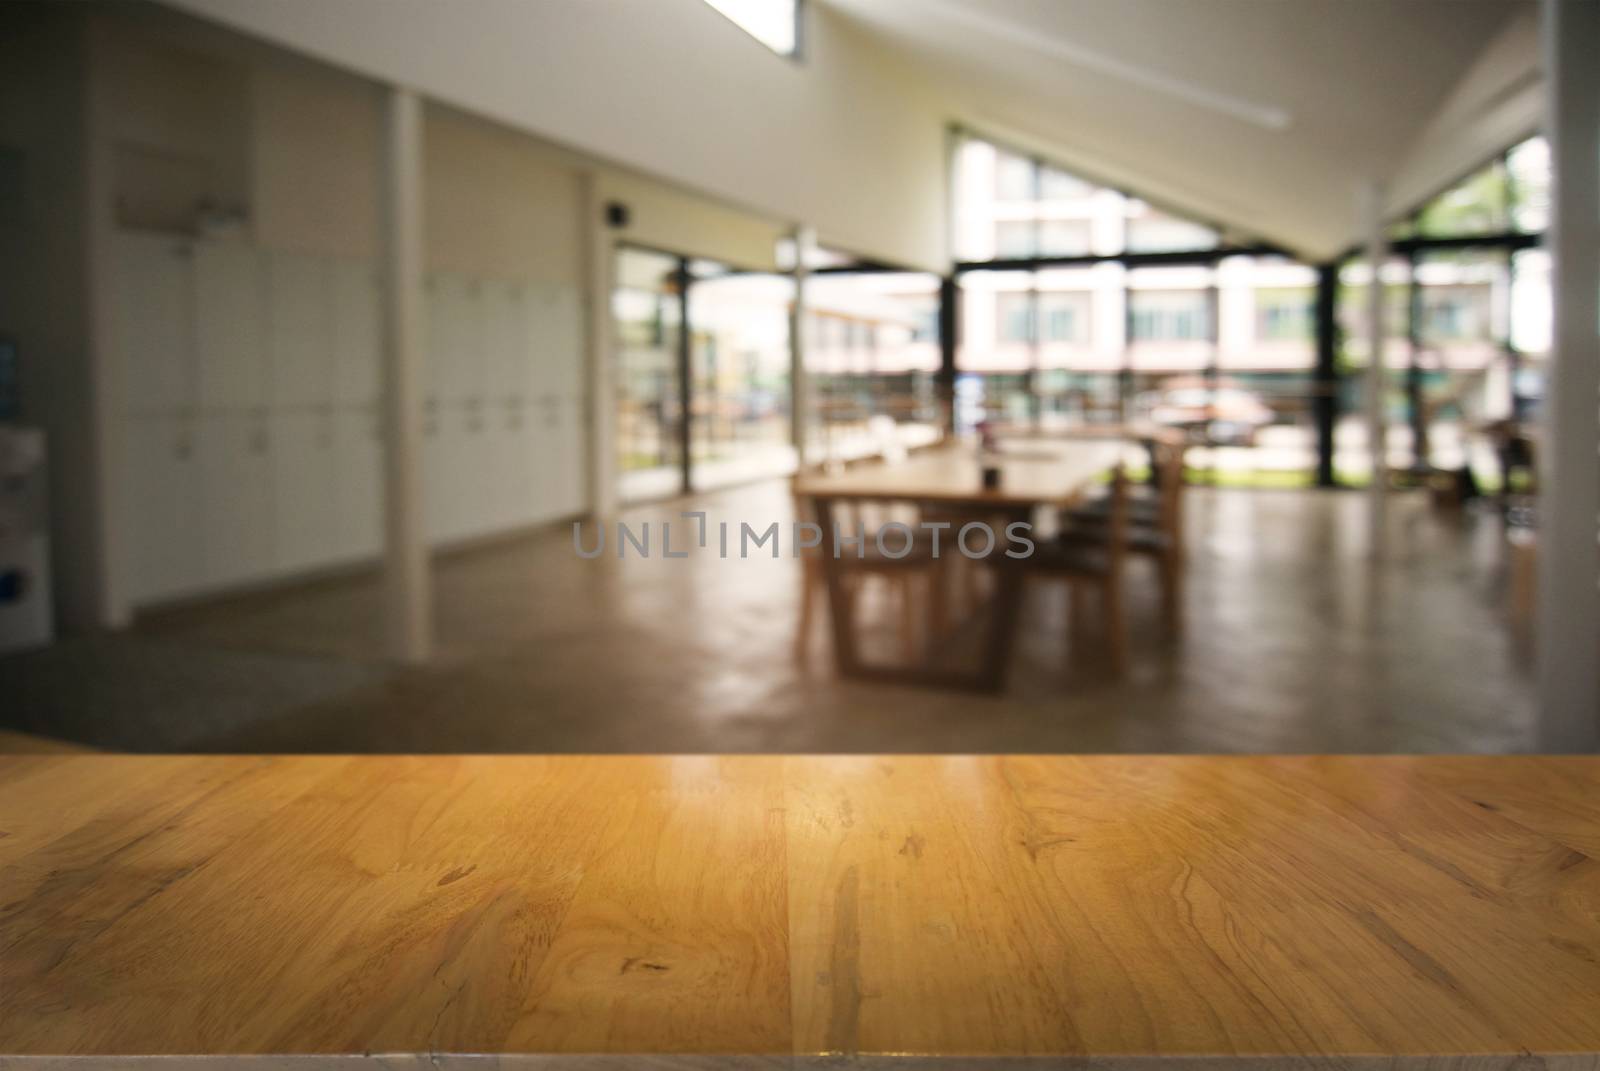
x,y
949,479
608,913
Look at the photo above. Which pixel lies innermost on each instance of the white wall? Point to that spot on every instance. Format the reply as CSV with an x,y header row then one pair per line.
x,y
231,401
848,140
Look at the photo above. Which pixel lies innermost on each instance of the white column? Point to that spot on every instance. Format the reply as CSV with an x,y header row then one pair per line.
x,y
1569,477
799,383
407,594
1377,367
599,254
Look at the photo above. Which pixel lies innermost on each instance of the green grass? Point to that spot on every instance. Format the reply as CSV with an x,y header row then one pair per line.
x,y
1200,477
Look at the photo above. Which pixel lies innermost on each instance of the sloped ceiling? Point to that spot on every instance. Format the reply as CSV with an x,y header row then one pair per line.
x,y
1266,115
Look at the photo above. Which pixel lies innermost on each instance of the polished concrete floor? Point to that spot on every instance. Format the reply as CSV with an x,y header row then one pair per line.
x,y
1294,642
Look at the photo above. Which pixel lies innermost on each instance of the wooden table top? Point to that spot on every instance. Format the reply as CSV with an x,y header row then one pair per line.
x,y
1156,910
1031,475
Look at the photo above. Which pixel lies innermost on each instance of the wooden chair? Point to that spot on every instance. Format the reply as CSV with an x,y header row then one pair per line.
x,y
1095,564
901,574
1155,527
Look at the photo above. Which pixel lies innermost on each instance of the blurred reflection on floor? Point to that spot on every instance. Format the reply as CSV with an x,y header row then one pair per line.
x,y
1287,648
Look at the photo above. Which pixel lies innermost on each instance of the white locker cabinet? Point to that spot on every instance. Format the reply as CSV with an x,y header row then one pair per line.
x,y
152,322
497,511
541,330
356,332
566,490
506,347
358,462
558,457
436,295
305,489
476,474
229,326
566,341
556,331
300,329
162,503
518,466
237,532
467,372
455,339
443,459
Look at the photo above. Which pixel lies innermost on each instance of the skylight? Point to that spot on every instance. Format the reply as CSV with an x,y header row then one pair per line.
x,y
775,23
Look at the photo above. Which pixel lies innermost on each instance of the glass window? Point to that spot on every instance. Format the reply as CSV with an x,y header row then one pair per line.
x,y
1509,194
1058,185
1064,317
649,411
885,366
1011,206
739,377
1013,177
1014,317
1169,316
1477,206
1064,237
1529,171
1153,231
1455,313
1284,315
1014,238
775,23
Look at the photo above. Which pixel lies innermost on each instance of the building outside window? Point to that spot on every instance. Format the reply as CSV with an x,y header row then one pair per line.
x,y
1136,330
1457,313
1284,315
1058,185
1015,317
873,365
1065,237
1064,316
1013,177
1014,238
1168,316
1154,231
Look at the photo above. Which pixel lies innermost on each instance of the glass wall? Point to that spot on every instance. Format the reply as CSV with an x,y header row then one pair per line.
x,y
1266,357
1468,328
871,352
1221,350
740,394
737,373
646,312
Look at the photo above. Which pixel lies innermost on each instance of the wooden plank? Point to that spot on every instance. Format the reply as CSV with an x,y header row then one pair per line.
x,y
656,954
865,910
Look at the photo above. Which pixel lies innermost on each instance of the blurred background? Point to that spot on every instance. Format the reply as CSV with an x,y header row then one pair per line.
x,y
321,326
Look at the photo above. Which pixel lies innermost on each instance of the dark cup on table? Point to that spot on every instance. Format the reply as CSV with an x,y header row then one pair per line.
x,y
991,477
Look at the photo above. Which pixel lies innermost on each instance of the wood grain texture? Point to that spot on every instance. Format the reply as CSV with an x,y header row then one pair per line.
x,y
902,911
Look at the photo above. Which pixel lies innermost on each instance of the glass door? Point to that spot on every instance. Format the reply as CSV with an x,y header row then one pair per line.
x,y
647,310
740,394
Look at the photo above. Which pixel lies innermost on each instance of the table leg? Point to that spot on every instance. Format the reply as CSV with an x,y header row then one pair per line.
x,y
845,653
1005,613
